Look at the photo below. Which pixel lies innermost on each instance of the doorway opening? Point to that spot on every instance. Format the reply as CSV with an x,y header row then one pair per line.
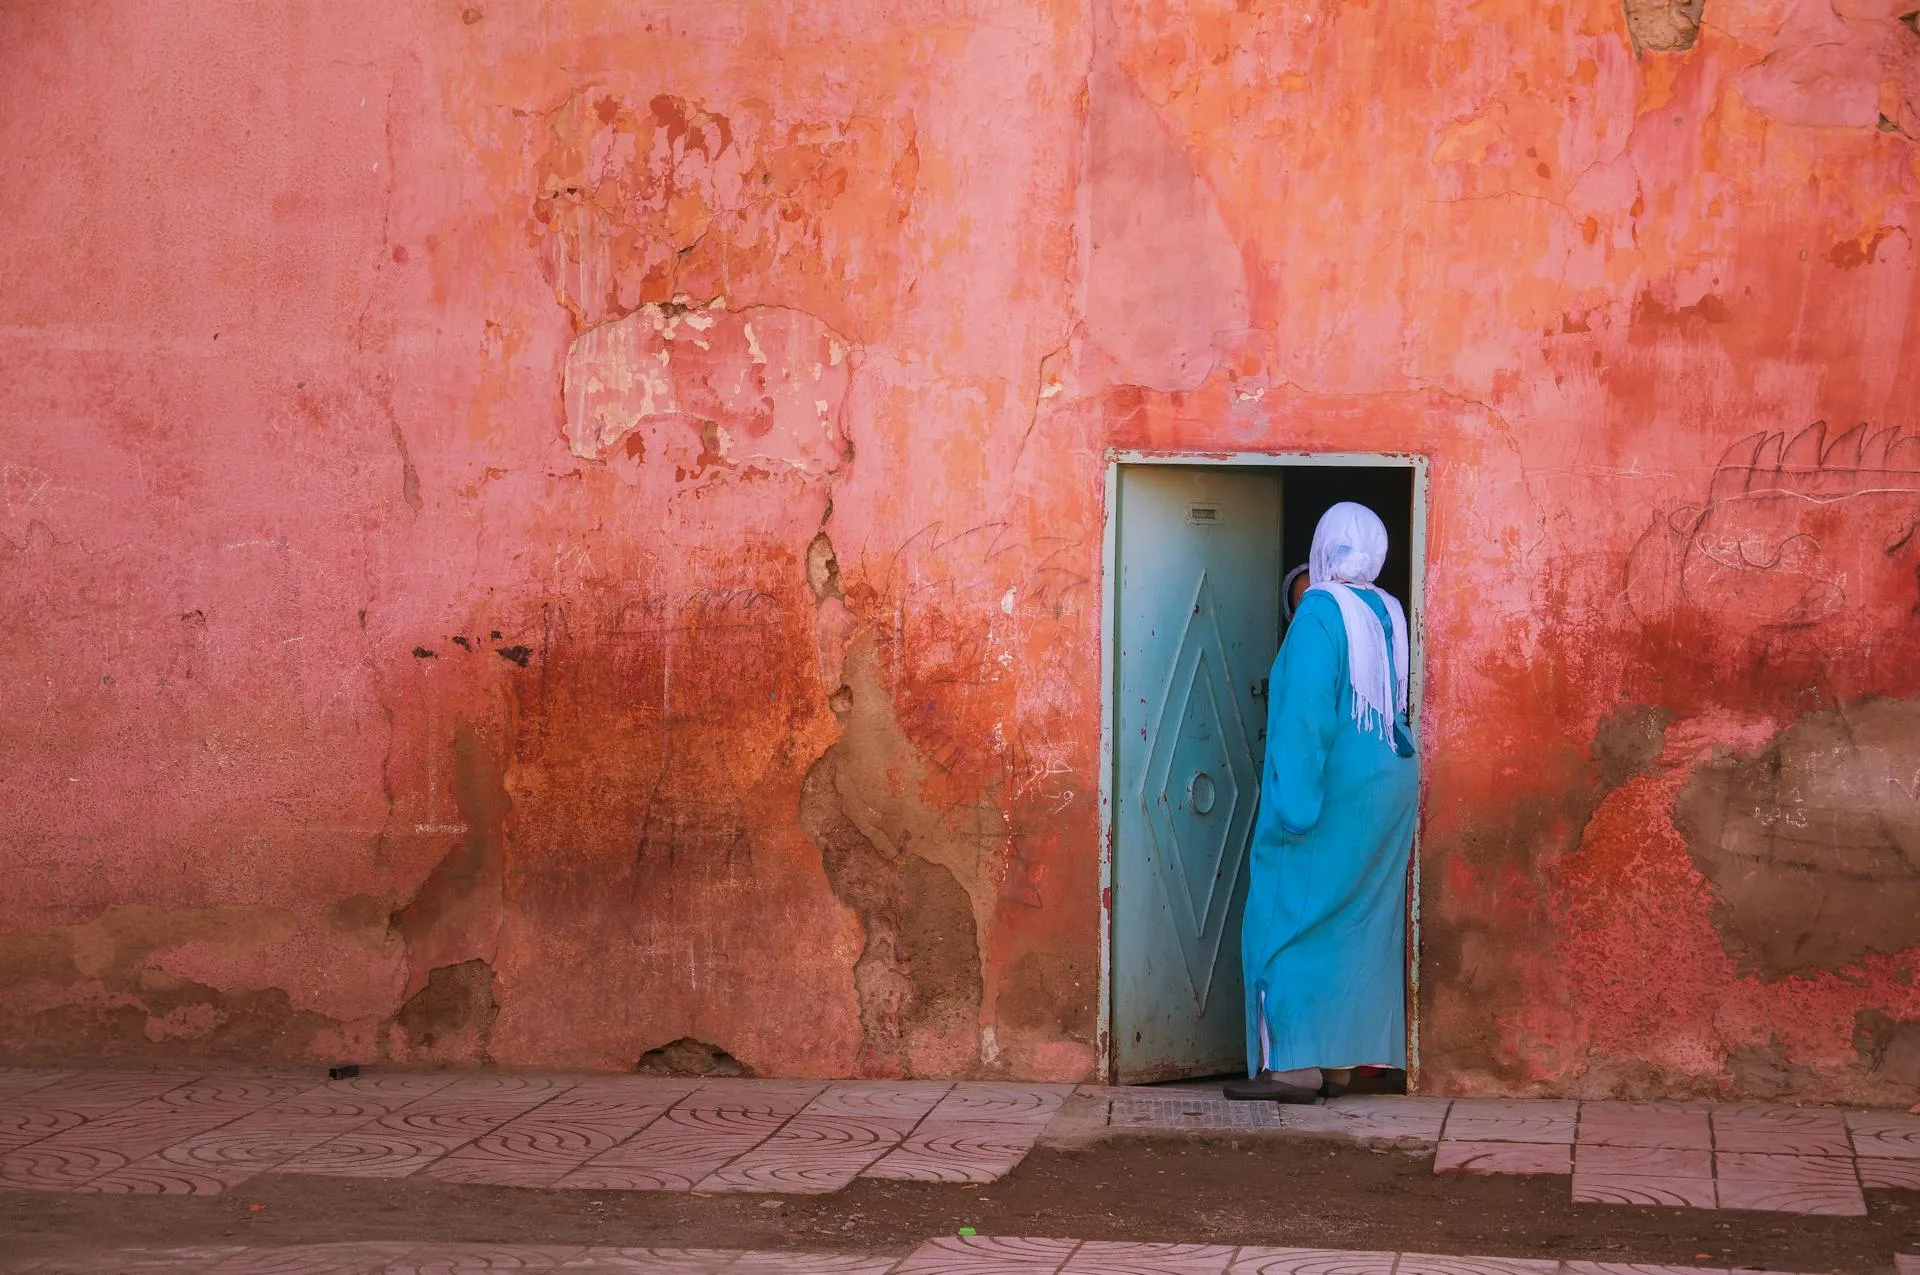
x,y
1307,491
1197,548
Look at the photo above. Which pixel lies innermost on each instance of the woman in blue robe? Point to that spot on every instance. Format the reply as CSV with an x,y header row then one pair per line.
x,y
1324,940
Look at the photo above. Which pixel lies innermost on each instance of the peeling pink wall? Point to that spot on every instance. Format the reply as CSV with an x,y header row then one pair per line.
x,y
530,532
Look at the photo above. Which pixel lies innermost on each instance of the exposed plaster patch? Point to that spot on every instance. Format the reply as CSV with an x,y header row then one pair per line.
x,y
1813,844
450,1019
103,989
915,877
1766,1072
681,388
834,624
1889,1050
642,201
454,916
1663,26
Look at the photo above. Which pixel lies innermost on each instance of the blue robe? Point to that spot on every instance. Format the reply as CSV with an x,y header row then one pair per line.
x,y
1324,941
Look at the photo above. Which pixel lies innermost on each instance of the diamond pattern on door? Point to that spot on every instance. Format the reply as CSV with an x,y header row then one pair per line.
x,y
1199,790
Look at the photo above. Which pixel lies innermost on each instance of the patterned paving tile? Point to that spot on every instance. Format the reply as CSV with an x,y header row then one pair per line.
x,y
1392,1105
1809,1170
781,1097
1419,1124
540,1147
488,1109
1537,1129
1508,1120
237,1094
650,1261
1311,1261
368,1153
789,1171
1655,1162
242,1146
1099,1257
96,1147
454,1259
1500,1108
506,1085
1902,1175
1885,1135
1793,1197
482,1259
1632,1268
678,1176
313,1259
900,1100
1644,1125
1502,1157
1433,1264
1018,1104
147,1125
74,1099
400,1144
1781,1130
124,1087
15,1081
1789,1183
680,1171
973,1151
392,1089
636,1109
1607,1109
154,1176
809,1264
674,1152
815,1151
321,1108
814,1129
738,1127
1603,1188
988,1255
20,1125
139,1261
627,1085
42,1167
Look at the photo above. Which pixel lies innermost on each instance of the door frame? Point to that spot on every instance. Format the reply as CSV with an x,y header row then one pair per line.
x,y
1114,460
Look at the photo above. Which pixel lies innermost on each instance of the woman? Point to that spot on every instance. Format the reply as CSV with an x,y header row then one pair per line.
x,y
1324,942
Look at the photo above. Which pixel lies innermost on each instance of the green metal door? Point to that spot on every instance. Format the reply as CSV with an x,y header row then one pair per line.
x,y
1197,625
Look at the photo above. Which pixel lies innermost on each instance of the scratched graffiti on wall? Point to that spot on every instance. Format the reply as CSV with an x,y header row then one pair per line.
x,y
1794,530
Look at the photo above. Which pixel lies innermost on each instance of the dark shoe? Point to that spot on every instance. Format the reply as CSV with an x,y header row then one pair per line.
x,y
1269,1091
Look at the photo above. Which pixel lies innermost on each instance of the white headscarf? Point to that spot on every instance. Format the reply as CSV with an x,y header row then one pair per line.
x,y
1349,547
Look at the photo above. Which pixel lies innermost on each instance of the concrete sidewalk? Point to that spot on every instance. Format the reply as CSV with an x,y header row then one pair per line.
x,y
493,1170
172,1133
964,1255
1748,1156
162,1132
